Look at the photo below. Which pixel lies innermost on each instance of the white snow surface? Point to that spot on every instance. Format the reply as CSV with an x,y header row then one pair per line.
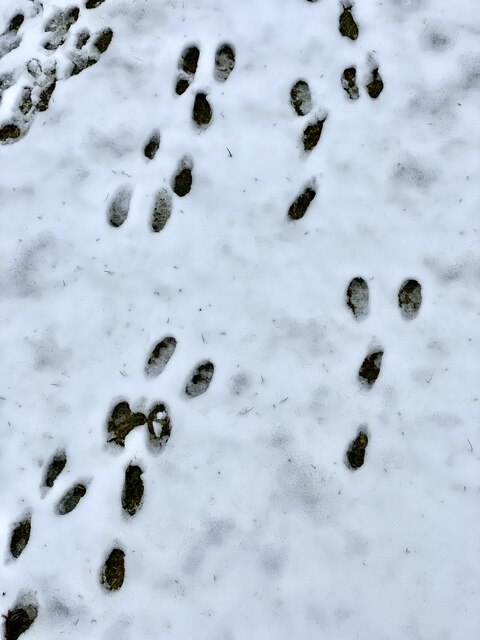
x,y
252,526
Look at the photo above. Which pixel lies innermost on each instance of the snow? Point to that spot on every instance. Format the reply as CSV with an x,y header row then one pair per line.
x,y
252,525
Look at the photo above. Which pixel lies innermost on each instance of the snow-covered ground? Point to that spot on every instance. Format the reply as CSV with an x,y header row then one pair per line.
x,y
252,524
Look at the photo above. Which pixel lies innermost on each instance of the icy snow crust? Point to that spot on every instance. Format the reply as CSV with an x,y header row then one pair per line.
x,y
251,525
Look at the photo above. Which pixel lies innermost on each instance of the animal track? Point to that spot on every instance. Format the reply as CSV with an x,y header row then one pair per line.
x,y
301,98
20,536
113,572
357,298
70,500
312,133
299,206
187,65
162,210
152,145
21,618
224,62
349,83
182,181
410,299
202,111
200,380
160,357
375,84
370,368
119,206
346,23
133,488
355,456
59,25
55,468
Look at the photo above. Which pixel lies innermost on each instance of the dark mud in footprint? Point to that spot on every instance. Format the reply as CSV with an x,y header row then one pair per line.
x,y
152,145
19,620
103,40
224,62
346,23
355,456
162,210
55,468
16,22
122,420
357,298
159,426
349,83
71,499
93,4
160,357
119,206
311,134
59,25
10,132
20,536
374,85
200,380
132,493
187,64
113,572
410,299
300,98
182,181
370,369
46,95
202,111
300,205
26,103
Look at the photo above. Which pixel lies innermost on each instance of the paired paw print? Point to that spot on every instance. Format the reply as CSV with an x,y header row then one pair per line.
x,y
357,299
374,83
121,422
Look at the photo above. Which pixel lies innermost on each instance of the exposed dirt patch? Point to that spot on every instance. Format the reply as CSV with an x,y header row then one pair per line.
x,y
187,64
299,206
357,298
122,420
410,299
16,22
200,380
356,451
71,499
160,356
113,573
132,490
82,38
370,369
46,95
93,4
301,98
20,536
224,62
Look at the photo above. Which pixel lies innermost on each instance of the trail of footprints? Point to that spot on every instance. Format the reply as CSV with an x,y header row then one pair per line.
x,y
39,74
357,299
302,103
202,114
121,422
